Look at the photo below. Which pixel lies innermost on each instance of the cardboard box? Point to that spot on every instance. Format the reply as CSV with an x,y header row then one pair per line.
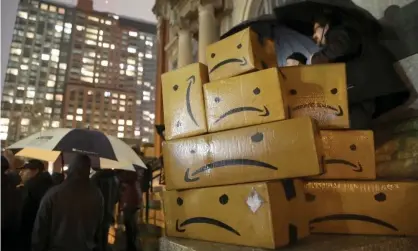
x,y
348,155
363,207
318,91
267,215
184,110
277,150
240,53
250,99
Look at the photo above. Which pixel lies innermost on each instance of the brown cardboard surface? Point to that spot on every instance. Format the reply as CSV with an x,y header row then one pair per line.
x,y
363,207
222,214
184,111
240,53
348,155
277,150
250,99
318,91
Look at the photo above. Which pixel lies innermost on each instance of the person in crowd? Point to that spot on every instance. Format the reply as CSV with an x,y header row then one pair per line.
x,y
373,85
130,202
108,185
295,59
10,209
71,213
36,182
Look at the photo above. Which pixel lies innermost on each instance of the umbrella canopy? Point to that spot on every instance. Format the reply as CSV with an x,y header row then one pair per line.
x,y
300,15
106,151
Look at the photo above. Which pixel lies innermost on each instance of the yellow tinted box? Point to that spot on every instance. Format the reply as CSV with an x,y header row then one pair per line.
x,y
267,215
348,155
277,150
250,99
363,207
318,91
184,111
240,53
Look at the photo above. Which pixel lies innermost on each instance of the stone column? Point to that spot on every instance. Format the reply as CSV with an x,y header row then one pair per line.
x,y
185,56
207,29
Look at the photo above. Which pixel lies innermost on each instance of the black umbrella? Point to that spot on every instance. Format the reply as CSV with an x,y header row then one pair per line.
x,y
300,15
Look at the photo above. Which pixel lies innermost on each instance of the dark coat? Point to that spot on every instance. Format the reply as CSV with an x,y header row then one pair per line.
x,y
33,192
69,217
108,185
131,195
369,66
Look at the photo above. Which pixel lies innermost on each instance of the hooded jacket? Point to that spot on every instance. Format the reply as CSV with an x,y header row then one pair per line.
x,y
70,214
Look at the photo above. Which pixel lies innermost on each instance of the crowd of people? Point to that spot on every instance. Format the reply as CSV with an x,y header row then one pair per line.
x,y
72,210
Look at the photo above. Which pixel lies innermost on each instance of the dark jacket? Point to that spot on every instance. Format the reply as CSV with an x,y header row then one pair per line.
x,y
369,66
108,185
33,192
131,195
70,216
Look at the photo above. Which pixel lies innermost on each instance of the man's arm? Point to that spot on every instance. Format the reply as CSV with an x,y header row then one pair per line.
x,y
42,227
339,43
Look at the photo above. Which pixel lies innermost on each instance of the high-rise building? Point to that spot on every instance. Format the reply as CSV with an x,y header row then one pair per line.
x,y
75,67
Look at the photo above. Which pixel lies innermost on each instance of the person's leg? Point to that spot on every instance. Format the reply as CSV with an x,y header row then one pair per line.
x,y
361,115
130,225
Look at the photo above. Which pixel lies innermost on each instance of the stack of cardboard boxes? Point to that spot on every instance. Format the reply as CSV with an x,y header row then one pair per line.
x,y
240,130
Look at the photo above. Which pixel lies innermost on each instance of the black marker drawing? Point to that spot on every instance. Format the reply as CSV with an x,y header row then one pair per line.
x,y
225,163
205,220
356,168
265,112
242,62
339,110
353,217
191,81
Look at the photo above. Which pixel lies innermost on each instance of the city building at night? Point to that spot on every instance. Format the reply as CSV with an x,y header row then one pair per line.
x,y
75,67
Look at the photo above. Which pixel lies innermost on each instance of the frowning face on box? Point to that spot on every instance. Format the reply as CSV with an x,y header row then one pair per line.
x,y
253,98
318,91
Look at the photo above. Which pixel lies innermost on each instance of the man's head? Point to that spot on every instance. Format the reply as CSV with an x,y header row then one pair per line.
x,y
79,166
321,24
295,59
31,168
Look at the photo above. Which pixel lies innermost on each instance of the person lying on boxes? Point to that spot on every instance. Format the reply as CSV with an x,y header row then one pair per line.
x,y
373,85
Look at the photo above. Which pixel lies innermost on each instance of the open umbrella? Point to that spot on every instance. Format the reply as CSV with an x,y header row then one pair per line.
x,y
106,151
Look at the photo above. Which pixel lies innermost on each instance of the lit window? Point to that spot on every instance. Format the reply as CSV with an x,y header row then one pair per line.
x,y
138,102
137,133
152,116
121,128
106,45
87,79
58,97
61,11
115,95
121,66
148,55
107,94
121,109
114,101
63,66
29,101
121,121
24,121
121,72
94,19
50,83
131,61
101,32
129,122
24,67
122,102
55,52
112,46
116,17
70,117
122,96
100,43
79,111
86,72
130,73
55,59
3,136
142,37
48,110
104,63
49,96
68,25
80,28
19,101
141,69
88,61
16,51
114,121
145,140
44,6
138,82
131,50
147,98
91,36
52,8
108,22
67,30
23,14
55,124
147,84
79,118
90,42
4,121
90,93
45,57
145,93
149,43
141,55
131,33
58,28
120,135
30,94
